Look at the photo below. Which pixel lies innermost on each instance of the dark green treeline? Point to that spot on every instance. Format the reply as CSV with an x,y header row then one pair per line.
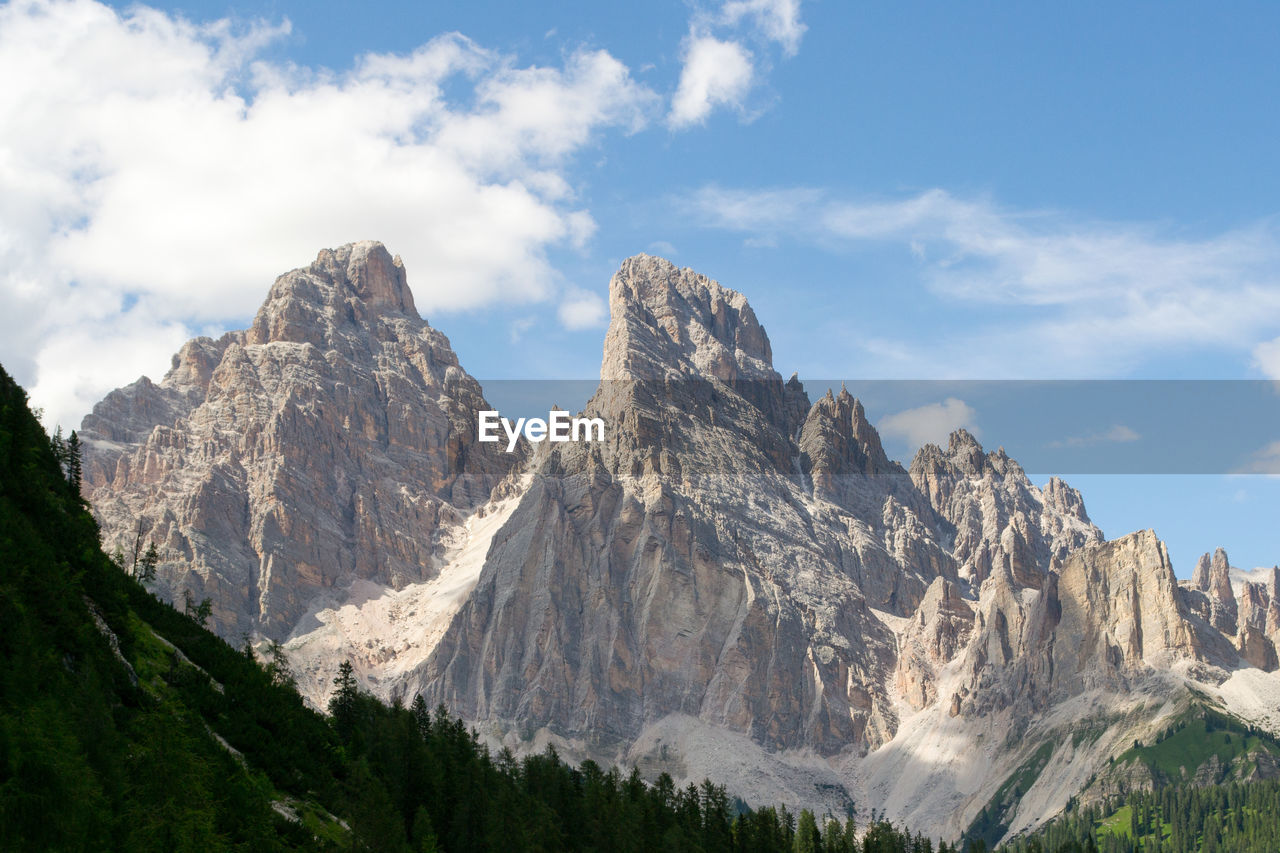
x,y
125,725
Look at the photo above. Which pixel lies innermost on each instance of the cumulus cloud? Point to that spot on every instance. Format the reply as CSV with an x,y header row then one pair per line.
x,y
718,69
930,424
582,309
715,73
155,175
1093,298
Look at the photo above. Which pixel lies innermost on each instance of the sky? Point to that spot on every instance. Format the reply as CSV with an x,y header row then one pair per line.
x,y
977,191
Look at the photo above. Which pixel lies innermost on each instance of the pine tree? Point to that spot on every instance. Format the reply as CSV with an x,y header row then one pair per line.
x,y
421,715
278,666
74,473
342,707
806,833
833,837
59,445
146,567
424,837
199,612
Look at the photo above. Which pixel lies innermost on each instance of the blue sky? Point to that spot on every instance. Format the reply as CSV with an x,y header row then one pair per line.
x,y
904,191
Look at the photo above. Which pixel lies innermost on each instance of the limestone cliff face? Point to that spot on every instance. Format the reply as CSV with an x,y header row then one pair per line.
x,y
1243,606
333,439
737,581
688,566
1103,620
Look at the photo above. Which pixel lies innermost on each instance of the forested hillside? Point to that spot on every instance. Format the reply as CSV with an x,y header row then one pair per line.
x,y
1231,818
125,725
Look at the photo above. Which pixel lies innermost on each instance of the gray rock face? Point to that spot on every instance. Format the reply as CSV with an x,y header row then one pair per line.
x,y
1109,615
689,565
1001,521
732,563
1240,605
334,439
1222,599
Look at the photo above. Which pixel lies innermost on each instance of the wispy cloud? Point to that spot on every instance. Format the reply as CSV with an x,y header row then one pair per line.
x,y
1096,298
776,20
583,309
1265,461
1118,434
520,326
156,174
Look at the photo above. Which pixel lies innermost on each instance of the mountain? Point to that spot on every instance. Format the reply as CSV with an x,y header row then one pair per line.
x,y
736,583
334,439
126,725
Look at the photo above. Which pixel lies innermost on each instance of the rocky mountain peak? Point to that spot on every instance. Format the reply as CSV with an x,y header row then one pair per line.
x,y
343,287
665,319
733,568
1002,521
1200,577
1064,499
1220,569
335,440
965,449
1221,596
837,439
376,276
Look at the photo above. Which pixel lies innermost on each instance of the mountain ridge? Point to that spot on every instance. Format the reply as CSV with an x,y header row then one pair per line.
x,y
737,577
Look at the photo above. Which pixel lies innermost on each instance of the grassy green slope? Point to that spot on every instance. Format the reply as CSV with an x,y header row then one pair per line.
x,y
106,747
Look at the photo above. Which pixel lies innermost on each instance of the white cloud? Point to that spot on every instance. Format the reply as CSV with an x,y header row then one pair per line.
x,y
520,326
1264,461
930,424
1266,357
1118,434
1092,298
147,159
719,71
715,73
582,309
777,20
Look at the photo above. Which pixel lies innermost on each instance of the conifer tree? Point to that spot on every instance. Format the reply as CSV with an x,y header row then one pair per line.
x,y
806,833
342,707
278,665
146,567
74,474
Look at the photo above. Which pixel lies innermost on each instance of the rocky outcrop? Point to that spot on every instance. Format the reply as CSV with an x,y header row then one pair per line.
x,y
1222,599
1241,605
334,439
1110,615
1001,520
934,635
1256,646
